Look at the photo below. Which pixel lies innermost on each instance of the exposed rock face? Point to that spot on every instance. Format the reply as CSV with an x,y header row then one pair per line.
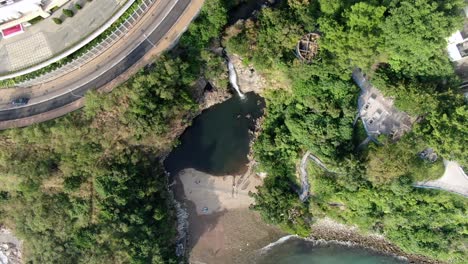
x,y
215,96
10,247
249,80
207,94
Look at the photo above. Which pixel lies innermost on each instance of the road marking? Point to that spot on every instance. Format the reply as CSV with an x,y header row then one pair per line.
x,y
146,38
71,92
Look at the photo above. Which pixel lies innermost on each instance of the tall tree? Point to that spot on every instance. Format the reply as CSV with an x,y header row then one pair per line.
x,y
415,33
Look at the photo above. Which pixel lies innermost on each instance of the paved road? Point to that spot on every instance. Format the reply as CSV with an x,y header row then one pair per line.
x,y
115,67
454,180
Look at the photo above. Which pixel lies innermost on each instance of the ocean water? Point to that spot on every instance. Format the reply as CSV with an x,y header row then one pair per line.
x,y
299,251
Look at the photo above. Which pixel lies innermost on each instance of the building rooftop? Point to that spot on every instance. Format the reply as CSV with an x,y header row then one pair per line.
x,y
12,31
15,9
377,112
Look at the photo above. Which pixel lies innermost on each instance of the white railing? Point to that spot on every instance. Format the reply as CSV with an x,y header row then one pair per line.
x,y
95,51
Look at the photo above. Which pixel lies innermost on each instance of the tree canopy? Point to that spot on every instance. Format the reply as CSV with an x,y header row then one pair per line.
x,y
89,187
401,45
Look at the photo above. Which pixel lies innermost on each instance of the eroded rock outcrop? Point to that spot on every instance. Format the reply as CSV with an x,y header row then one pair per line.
x,y
10,247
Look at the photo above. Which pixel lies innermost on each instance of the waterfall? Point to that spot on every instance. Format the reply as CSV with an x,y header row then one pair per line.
x,y
233,79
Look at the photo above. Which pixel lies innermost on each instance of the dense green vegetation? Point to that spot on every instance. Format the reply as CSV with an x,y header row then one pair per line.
x,y
401,45
89,187
426,222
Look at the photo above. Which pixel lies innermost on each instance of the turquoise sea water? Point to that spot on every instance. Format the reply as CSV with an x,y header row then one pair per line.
x,y
298,251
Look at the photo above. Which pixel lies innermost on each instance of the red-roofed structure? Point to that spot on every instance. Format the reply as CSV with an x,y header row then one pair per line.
x,y
12,31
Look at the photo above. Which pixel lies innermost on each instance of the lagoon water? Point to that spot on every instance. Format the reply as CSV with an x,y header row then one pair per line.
x,y
218,140
299,251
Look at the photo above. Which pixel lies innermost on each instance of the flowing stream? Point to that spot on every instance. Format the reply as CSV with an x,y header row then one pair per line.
x,y
248,8
233,79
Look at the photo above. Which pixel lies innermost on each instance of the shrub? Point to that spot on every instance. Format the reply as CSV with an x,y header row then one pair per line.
x,y
78,6
36,20
68,12
57,20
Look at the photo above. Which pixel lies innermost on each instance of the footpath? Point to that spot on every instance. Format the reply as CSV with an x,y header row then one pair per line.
x,y
454,180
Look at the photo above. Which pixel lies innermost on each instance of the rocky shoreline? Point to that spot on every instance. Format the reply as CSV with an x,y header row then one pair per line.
x,y
328,230
206,95
325,229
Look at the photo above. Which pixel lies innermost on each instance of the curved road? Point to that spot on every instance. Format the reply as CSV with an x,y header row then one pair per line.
x,y
77,89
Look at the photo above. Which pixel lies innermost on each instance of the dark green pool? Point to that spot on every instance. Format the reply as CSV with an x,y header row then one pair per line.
x,y
218,140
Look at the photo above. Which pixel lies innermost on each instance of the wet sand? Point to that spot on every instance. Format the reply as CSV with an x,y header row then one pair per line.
x,y
234,236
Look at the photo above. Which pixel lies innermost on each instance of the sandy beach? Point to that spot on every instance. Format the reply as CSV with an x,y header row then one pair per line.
x,y
222,229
